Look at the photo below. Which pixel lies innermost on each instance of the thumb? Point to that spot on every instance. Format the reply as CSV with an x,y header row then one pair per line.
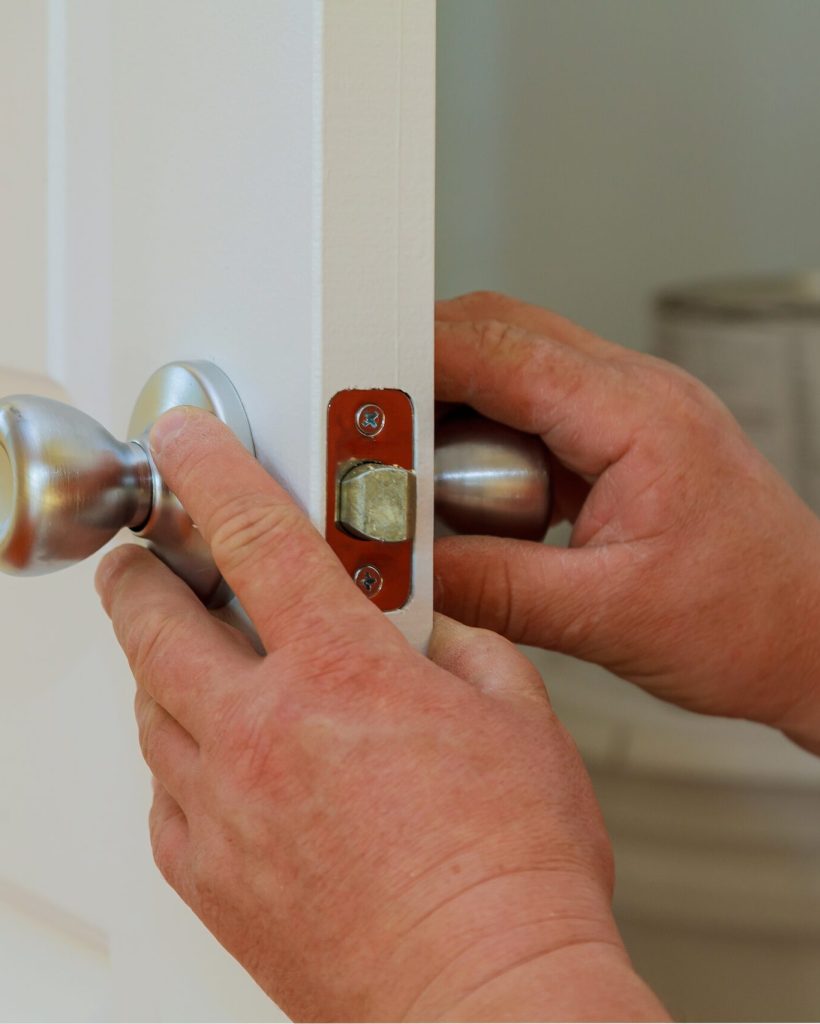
x,y
564,599
486,661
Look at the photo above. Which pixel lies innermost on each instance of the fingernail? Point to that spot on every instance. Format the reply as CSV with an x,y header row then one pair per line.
x,y
167,427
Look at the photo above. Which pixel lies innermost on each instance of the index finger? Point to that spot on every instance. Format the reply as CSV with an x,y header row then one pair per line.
x,y
497,306
581,405
289,581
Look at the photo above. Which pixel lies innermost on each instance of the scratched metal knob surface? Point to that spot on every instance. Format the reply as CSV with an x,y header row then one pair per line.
x,y
67,486
491,479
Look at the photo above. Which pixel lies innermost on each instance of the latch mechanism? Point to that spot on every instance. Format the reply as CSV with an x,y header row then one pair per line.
x,y
371,491
378,502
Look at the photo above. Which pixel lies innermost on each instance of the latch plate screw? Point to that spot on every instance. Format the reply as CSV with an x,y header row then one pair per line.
x,y
368,579
370,419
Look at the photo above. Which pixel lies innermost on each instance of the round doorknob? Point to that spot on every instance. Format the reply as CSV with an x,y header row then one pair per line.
x,y
67,486
491,479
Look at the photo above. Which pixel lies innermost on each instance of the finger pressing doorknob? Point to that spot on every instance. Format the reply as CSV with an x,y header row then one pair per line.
x,y
67,486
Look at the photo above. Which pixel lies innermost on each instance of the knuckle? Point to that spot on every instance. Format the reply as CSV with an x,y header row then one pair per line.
x,y
149,732
483,651
118,561
486,646
496,334
521,357
673,387
113,571
182,458
250,742
163,848
578,383
341,659
483,646
528,359
495,604
249,525
163,854
150,638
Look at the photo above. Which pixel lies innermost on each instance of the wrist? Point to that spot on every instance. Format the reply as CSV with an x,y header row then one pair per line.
x,y
770,652
802,723
580,981
528,946
795,670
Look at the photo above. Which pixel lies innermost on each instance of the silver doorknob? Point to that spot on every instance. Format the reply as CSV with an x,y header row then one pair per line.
x,y
491,479
67,486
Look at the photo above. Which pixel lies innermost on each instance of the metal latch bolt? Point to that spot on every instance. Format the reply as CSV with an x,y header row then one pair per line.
x,y
378,502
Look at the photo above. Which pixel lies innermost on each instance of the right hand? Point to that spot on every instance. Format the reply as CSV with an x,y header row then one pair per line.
x,y
693,568
373,834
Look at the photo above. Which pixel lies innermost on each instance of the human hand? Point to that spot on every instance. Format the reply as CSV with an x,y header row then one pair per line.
x,y
370,834
693,569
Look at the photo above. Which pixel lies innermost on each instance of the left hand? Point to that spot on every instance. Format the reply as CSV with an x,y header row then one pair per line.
x,y
372,835
693,568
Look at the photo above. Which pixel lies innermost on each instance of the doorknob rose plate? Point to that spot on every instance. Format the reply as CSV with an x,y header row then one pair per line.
x,y
198,383
67,486
168,528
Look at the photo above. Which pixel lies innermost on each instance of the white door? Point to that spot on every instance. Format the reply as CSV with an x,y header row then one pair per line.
x,y
250,183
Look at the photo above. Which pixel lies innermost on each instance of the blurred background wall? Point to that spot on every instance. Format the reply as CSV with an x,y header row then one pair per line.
x,y
590,152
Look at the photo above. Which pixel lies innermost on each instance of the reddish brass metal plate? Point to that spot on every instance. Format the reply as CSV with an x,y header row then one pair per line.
x,y
355,438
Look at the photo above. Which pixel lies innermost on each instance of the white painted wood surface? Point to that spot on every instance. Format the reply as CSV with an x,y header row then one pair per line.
x,y
22,183
251,184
